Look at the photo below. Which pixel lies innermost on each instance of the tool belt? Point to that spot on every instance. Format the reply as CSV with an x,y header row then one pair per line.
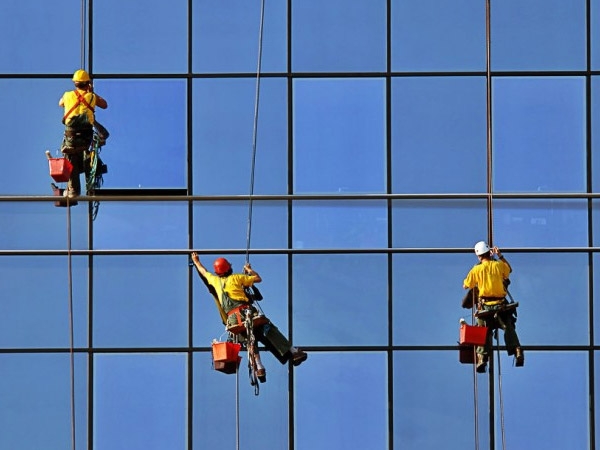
x,y
236,316
492,301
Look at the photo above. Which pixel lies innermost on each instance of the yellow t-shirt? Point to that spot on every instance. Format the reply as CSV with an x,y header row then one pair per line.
x,y
234,285
489,278
75,107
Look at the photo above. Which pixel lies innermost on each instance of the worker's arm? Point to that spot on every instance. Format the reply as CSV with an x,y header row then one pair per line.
x,y
196,260
61,102
248,270
100,102
502,258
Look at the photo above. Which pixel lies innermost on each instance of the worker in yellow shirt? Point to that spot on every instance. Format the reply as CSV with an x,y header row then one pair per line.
x,y
79,119
490,276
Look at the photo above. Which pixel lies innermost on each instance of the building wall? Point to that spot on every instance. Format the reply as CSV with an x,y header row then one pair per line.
x,y
380,142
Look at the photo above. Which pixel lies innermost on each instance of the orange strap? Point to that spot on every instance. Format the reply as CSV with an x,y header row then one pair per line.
x,y
81,99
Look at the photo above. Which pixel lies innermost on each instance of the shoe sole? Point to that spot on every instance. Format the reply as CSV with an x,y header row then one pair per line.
x,y
299,360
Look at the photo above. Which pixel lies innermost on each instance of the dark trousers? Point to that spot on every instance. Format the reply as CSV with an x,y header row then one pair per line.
x,y
506,322
270,336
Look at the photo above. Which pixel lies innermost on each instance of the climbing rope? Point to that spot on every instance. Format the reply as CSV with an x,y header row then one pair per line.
x,y
255,127
252,170
500,398
71,343
83,32
490,216
70,262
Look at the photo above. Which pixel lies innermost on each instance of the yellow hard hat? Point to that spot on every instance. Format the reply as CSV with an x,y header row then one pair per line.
x,y
81,76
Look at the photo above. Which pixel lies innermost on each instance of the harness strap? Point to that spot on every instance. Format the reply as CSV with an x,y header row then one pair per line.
x,y
81,99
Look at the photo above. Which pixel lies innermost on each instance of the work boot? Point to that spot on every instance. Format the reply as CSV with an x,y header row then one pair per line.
x,y
481,363
299,357
261,374
519,357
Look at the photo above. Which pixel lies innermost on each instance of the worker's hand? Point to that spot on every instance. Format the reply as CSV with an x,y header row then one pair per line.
x,y
496,251
247,268
195,257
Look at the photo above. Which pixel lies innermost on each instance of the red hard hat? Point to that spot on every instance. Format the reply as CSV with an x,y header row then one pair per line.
x,y
221,266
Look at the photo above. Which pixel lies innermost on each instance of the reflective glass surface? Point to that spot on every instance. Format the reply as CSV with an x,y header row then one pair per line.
x,y
538,35
376,160
223,126
334,121
338,36
536,118
450,160
433,35
362,422
152,38
154,299
36,400
130,386
226,36
37,295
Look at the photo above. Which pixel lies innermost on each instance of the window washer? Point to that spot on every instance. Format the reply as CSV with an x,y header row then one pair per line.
x,y
228,290
490,277
79,119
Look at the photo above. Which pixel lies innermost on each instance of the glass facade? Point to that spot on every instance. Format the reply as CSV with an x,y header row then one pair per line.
x,y
379,160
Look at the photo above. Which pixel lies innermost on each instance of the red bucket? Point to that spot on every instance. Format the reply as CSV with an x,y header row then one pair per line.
x,y
472,335
225,351
60,169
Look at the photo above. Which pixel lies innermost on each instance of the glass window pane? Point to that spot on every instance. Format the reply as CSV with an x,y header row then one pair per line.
x,y
358,418
228,225
152,38
425,223
147,151
340,224
20,225
226,35
140,401
596,298
433,35
541,223
451,159
566,389
428,286
595,31
538,35
595,132
427,413
339,36
35,310
128,225
339,120
32,132
358,281
148,291
36,401
223,136
214,398
34,38
561,282
539,134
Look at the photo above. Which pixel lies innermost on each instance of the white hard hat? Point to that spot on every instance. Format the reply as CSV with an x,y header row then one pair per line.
x,y
481,248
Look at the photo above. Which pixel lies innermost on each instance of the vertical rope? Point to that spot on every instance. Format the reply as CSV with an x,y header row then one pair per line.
x,y
255,127
500,397
489,122
83,30
237,408
71,340
476,400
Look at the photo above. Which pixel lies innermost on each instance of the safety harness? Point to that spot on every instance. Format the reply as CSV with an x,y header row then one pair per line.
x,y
80,99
